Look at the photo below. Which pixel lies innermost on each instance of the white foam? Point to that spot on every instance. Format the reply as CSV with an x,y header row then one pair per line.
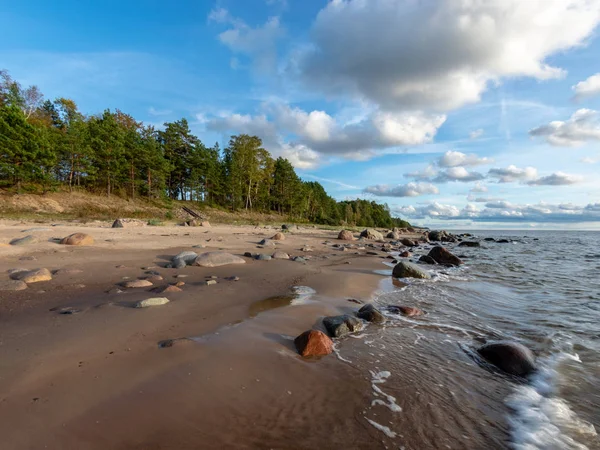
x,y
303,294
380,378
541,420
389,433
336,350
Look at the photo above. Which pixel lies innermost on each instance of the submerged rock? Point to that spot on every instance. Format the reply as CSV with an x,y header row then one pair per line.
x,y
338,326
370,314
371,234
443,256
408,311
469,244
32,276
346,235
405,254
78,239
489,239
511,357
406,269
313,343
216,259
154,301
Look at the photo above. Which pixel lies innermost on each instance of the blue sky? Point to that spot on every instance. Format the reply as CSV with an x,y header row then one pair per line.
x,y
458,114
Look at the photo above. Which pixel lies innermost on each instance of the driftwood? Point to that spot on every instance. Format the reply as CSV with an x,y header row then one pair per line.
x,y
193,213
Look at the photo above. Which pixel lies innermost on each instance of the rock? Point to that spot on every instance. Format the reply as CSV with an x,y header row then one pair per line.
x,y
263,257
306,249
210,282
503,241
32,276
249,255
154,301
427,259
154,278
24,240
406,269
409,242
489,239
469,244
313,343
405,254
205,223
299,259
165,289
393,235
371,234
267,243
285,227
233,278
216,259
118,224
183,259
66,310
346,235
78,239
128,223
278,236
370,314
338,326
12,285
443,256
511,357
280,255
405,310
136,283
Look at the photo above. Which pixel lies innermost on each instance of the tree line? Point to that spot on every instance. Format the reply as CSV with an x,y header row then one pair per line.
x,y
51,145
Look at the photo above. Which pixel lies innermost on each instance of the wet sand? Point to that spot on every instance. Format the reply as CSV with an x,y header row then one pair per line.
x,y
98,379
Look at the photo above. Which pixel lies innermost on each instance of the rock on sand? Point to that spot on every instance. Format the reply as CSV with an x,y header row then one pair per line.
x,y
12,285
215,259
32,276
78,239
154,301
370,314
24,240
371,234
137,284
346,235
338,326
278,236
313,343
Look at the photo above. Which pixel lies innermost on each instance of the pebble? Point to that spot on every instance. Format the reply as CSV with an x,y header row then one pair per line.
x,y
210,282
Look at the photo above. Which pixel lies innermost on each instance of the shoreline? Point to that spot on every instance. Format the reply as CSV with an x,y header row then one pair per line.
x,y
67,371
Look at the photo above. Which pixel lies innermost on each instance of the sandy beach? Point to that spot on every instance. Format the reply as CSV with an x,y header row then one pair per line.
x,y
102,377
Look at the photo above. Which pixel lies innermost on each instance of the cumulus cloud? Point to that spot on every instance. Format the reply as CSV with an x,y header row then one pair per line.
x,y
556,179
476,134
479,187
587,88
588,160
441,55
582,126
505,212
457,174
258,43
402,190
513,174
454,159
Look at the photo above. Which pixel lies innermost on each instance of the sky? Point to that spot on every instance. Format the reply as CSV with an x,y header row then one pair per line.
x,y
457,114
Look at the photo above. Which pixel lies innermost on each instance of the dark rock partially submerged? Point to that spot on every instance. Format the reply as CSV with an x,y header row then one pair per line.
x,y
370,314
427,260
409,270
338,326
408,311
443,256
511,357
469,244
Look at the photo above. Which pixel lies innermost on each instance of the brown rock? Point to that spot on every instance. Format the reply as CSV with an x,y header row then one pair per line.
x,y
406,254
313,343
78,239
32,276
170,288
137,284
278,236
12,285
346,235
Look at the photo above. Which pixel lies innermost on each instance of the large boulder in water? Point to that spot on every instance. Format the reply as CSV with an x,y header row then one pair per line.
x,y
406,269
371,234
511,357
427,260
443,256
346,235
409,242
313,343
215,259
338,326
78,239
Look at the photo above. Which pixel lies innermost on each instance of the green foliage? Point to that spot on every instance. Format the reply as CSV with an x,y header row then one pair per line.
x,y
51,144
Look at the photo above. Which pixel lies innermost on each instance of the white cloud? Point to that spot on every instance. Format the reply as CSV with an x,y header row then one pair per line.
x,y
505,212
479,187
441,55
587,88
402,190
159,112
454,159
588,160
457,174
556,179
513,174
476,134
426,174
582,126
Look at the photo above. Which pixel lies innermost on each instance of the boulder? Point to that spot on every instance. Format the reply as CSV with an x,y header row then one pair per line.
x,y
503,241
435,235
263,257
280,255
278,236
168,288
371,234
313,343
346,235
216,259
154,301
427,259
78,239
511,357
409,242
118,224
408,311
469,244
192,223
443,256
32,276
370,314
24,240
338,326
182,259
489,239
406,269
12,285
405,254
136,283
393,235
267,243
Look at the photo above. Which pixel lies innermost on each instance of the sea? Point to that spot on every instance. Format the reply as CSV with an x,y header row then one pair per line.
x,y
429,387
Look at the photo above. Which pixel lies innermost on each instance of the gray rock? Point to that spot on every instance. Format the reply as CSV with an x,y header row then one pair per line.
x,y
154,301
393,235
183,259
216,259
30,230
12,285
371,234
280,255
469,244
263,257
24,240
370,314
299,259
406,269
511,357
338,326
267,243
118,224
